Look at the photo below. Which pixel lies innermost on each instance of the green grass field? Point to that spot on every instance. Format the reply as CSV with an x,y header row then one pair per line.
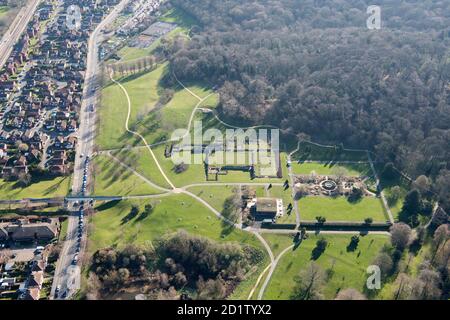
x,y
112,179
112,226
340,209
143,90
214,195
55,187
155,124
3,11
348,268
354,170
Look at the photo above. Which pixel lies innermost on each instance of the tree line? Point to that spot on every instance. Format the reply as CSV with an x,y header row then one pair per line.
x,y
315,70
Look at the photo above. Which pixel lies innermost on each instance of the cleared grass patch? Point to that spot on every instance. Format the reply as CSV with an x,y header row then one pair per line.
x,y
354,170
51,187
340,209
143,89
347,268
112,179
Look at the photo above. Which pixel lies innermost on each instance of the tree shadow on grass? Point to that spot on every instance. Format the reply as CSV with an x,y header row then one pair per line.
x,y
130,216
107,205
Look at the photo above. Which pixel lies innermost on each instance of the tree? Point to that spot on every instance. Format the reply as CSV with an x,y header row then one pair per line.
x,y
321,220
411,206
400,235
393,195
368,220
385,263
24,179
309,283
429,288
321,245
180,168
389,171
350,294
301,191
422,183
23,147
339,172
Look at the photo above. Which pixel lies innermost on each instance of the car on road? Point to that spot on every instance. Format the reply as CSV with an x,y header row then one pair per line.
x,y
75,259
57,290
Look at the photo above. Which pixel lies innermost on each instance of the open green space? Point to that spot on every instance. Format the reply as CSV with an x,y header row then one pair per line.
x,y
195,173
340,209
112,225
143,89
3,11
214,195
351,169
44,188
344,268
155,122
141,161
112,179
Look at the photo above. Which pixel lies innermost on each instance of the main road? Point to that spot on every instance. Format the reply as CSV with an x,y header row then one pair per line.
x,y
18,26
67,276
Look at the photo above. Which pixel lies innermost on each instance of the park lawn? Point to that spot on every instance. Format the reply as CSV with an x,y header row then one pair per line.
x,y
214,195
54,187
340,209
112,179
144,93
171,213
195,173
63,232
395,206
109,227
324,169
3,11
178,16
349,270
155,124
141,161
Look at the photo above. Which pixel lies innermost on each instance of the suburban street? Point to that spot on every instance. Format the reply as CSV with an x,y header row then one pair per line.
x,y
67,277
14,32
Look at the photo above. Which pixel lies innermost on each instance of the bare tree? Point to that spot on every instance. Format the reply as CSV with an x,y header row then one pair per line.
x,y
385,263
429,289
339,172
309,283
400,235
350,294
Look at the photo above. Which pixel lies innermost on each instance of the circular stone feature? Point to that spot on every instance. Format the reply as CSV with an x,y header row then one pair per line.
x,y
328,185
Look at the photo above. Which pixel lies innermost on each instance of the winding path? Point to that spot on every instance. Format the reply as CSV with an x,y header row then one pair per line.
x,y
178,190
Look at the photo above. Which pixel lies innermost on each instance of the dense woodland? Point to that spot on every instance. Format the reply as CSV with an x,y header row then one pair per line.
x,y
178,264
313,68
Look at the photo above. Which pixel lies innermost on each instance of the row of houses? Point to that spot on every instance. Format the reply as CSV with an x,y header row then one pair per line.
x,y
31,287
25,231
41,90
